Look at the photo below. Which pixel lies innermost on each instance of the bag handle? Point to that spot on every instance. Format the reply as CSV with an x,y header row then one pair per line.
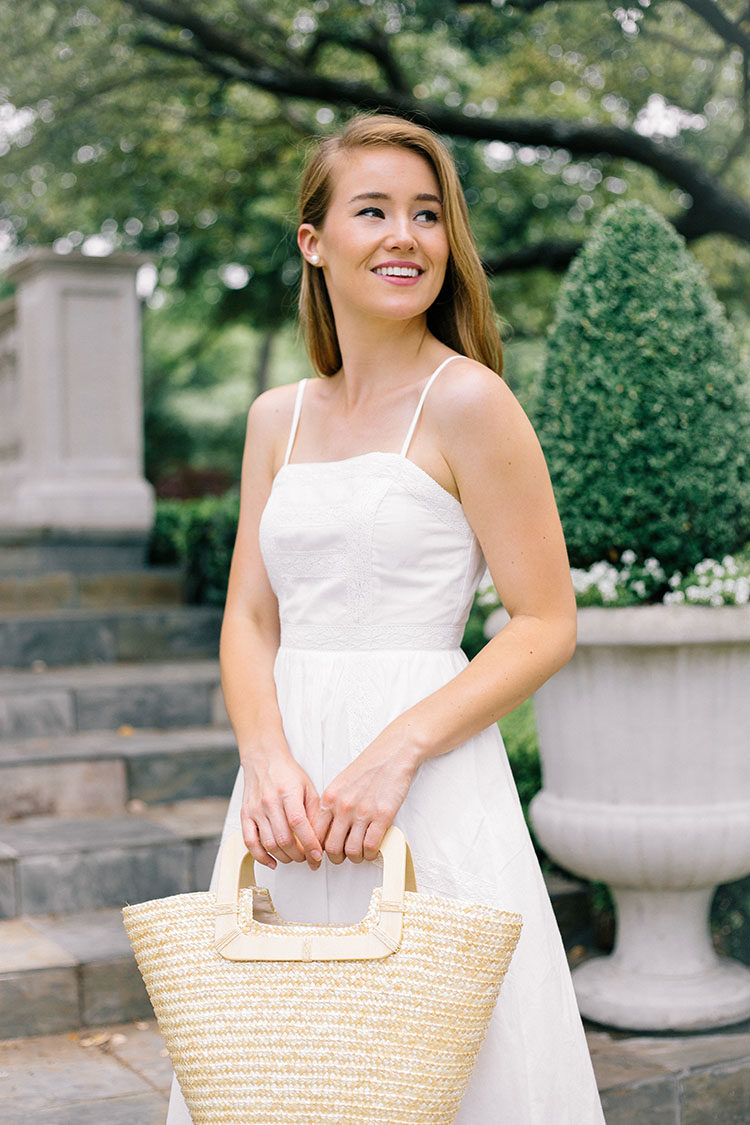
x,y
291,943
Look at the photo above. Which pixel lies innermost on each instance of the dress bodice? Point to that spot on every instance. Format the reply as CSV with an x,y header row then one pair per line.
x,y
368,552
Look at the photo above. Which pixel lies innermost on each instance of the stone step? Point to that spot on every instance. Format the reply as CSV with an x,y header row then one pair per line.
x,y
60,701
105,636
50,865
62,972
159,586
120,1074
104,772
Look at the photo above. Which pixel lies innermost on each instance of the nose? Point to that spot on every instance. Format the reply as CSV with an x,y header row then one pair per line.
x,y
401,234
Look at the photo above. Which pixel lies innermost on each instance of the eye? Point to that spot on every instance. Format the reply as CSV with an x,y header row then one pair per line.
x,y
374,212
428,216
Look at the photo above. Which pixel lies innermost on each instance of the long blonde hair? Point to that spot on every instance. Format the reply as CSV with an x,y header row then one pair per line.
x,y
462,316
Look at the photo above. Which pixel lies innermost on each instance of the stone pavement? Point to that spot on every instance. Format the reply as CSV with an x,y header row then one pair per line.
x,y
120,1075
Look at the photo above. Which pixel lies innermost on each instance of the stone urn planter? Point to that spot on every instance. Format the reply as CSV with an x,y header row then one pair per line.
x,y
645,745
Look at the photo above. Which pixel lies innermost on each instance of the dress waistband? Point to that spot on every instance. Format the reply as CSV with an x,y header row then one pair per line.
x,y
362,637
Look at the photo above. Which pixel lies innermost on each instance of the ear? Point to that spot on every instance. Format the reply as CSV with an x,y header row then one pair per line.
x,y
307,240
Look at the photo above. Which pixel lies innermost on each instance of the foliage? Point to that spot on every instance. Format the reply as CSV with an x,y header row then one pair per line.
x,y
709,582
518,729
176,128
730,919
199,536
642,407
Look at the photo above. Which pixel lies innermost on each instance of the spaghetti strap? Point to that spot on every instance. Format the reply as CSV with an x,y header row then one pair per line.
x,y
420,404
295,418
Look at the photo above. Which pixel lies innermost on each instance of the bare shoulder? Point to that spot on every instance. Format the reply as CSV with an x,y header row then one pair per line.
x,y
471,406
274,406
269,419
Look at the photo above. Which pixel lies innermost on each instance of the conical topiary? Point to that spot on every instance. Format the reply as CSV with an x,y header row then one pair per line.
x,y
642,408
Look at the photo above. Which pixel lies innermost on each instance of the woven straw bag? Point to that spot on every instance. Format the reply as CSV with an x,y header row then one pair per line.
x,y
275,1023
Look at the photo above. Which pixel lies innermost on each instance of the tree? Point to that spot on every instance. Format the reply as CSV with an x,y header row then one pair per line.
x,y
176,127
642,409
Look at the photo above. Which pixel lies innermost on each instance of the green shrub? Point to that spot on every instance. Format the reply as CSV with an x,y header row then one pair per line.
x,y
199,536
518,729
167,543
642,406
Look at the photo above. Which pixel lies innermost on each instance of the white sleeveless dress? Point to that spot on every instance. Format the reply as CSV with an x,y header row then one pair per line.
x,y
375,567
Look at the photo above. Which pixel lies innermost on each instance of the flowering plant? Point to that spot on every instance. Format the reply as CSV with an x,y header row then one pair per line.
x,y
634,582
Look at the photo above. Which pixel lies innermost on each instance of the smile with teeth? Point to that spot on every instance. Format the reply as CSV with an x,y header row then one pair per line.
x,y
397,271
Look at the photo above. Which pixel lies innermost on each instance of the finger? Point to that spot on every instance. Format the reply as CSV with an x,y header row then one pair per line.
x,y
335,841
269,842
287,849
253,844
303,830
353,848
311,802
322,822
373,839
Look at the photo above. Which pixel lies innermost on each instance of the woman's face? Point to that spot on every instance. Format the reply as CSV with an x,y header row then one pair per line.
x,y
383,245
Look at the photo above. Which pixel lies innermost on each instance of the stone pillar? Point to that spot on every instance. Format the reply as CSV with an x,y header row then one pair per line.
x,y
71,446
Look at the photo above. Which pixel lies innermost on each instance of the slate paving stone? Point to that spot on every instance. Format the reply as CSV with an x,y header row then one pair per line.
x,y
34,714
89,936
107,877
185,631
38,836
113,990
84,636
56,1073
62,789
141,1047
703,1095
56,639
175,777
45,1001
138,1109
654,1103
144,705
718,1097
8,895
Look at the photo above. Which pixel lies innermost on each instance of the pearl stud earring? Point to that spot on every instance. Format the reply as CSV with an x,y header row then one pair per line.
x,y
314,259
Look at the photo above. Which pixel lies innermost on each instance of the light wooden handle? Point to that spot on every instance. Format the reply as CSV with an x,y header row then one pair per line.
x,y
292,943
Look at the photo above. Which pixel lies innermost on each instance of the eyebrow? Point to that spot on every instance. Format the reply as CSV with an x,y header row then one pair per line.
x,y
425,197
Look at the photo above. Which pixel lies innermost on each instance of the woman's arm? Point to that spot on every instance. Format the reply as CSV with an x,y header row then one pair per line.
x,y
504,486
279,801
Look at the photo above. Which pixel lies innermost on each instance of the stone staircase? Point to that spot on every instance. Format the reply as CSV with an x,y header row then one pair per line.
x,y
116,760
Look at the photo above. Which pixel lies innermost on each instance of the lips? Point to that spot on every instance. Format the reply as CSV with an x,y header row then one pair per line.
x,y
397,269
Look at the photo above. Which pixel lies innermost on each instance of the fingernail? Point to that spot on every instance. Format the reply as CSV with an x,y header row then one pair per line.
x,y
316,855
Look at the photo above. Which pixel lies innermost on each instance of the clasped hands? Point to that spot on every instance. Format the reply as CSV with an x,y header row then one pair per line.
x,y
285,820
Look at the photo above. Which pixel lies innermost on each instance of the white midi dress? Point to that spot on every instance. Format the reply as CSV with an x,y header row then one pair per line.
x,y
375,567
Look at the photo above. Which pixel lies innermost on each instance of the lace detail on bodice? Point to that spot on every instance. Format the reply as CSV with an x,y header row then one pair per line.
x,y
368,553
371,636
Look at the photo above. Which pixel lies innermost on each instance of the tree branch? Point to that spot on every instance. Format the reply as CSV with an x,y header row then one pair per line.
x,y
726,29
377,47
715,208
547,254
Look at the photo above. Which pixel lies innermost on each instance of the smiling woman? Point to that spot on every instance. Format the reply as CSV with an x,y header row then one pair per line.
x,y
461,315
372,501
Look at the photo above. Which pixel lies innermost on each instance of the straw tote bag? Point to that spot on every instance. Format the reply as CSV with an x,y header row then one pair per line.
x,y
275,1023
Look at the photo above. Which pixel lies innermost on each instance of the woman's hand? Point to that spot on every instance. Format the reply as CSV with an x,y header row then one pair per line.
x,y
279,807
360,804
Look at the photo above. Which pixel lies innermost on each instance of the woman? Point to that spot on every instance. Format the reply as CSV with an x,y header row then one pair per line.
x,y
369,509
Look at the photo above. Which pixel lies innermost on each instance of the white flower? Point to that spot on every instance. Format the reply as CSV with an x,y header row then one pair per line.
x,y
674,598
640,588
628,557
742,591
716,599
675,580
